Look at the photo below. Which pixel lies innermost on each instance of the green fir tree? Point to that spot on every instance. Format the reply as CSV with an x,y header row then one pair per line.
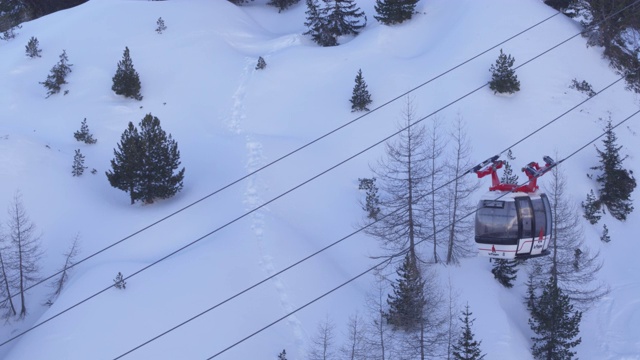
x,y
616,183
467,348
503,75
58,75
554,322
406,304
360,98
33,48
282,5
505,271
126,81
390,12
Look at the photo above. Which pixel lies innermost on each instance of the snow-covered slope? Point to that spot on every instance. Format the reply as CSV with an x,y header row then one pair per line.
x,y
229,119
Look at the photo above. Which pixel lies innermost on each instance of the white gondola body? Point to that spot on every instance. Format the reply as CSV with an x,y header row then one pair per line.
x,y
513,225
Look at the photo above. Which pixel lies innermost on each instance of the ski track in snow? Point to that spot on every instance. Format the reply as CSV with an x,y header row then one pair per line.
x,y
252,198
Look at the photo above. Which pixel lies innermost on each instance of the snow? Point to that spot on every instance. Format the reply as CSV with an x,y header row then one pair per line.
x,y
231,120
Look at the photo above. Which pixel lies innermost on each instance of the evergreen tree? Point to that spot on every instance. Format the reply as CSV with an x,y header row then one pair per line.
x,y
605,234
372,201
282,355
126,80
360,97
394,11
555,324
467,347
261,63
83,134
406,304
161,26
318,26
616,183
344,17
32,48
239,2
505,271
119,282
508,177
57,76
160,159
282,4
78,164
127,163
503,76
591,208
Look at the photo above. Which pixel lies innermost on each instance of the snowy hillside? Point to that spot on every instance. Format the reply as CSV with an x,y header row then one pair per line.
x,y
229,119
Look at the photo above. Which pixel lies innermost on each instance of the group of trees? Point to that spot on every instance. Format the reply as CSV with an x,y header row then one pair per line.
x,y
409,202
327,20
432,333
126,80
610,24
409,205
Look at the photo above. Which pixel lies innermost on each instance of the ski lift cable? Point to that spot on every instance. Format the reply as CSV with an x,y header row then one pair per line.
x,y
266,203
350,280
285,156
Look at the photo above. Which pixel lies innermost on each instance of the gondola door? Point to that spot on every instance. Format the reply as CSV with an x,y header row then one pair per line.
x,y
525,225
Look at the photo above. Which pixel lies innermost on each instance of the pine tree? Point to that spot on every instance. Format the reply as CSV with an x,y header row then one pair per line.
x,y
318,25
372,202
605,234
467,347
505,271
282,355
78,164
508,177
555,324
344,17
57,76
591,208
406,304
616,183
261,63
360,97
119,282
239,2
160,159
503,76
83,134
127,163
161,26
32,48
394,11
126,80
282,4
145,162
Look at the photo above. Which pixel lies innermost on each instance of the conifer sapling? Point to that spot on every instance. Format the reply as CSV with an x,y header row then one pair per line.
x,y
32,48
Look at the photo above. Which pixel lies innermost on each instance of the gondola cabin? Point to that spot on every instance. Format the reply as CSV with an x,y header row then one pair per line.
x,y
513,222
